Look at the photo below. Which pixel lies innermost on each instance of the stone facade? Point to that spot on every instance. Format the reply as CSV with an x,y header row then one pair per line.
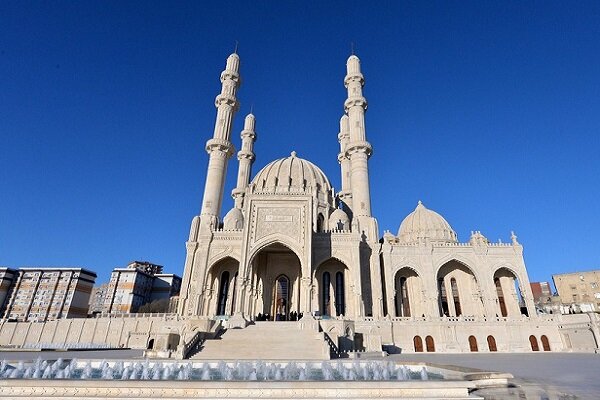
x,y
293,246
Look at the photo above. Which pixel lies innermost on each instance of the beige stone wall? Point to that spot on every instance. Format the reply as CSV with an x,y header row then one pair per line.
x,y
134,332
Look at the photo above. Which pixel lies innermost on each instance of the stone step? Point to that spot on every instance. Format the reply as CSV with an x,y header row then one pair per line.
x,y
279,340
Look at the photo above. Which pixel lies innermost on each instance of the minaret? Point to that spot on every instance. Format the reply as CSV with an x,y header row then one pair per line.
x,y
345,193
246,159
358,149
219,147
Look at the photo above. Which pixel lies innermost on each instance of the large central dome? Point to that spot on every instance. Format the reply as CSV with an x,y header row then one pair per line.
x,y
291,175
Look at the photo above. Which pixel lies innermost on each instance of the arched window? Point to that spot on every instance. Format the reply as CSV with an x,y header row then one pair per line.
x,y
233,294
325,297
151,344
340,305
545,343
534,343
223,291
320,222
491,343
418,343
500,294
405,302
443,298
473,344
455,297
430,344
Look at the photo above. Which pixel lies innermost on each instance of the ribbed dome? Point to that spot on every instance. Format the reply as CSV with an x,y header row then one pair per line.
x,y
291,175
425,223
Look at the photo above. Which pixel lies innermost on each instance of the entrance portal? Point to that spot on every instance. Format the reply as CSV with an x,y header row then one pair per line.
x,y
276,282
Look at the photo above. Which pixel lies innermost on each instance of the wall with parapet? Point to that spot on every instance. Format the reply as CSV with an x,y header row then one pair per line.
x,y
134,331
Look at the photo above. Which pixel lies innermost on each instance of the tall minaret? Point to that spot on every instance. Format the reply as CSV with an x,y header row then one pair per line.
x,y
219,147
345,193
246,159
358,149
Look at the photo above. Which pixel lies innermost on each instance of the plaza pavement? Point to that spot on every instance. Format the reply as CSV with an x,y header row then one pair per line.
x,y
539,376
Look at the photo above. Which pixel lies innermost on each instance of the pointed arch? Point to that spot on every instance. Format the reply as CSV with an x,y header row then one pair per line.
x,y
510,292
457,282
274,241
408,292
332,278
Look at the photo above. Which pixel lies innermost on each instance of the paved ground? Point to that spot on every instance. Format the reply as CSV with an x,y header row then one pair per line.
x,y
538,375
53,355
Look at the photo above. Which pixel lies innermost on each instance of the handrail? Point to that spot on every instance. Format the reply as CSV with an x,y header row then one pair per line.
x,y
334,351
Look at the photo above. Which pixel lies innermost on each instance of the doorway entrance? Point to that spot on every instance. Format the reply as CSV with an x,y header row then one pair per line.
x,y
281,298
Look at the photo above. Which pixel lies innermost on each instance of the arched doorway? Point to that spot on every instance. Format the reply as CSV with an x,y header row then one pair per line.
x,y
408,291
545,343
473,344
533,343
331,277
222,278
281,298
456,282
418,344
150,344
456,288
510,293
223,293
275,284
491,343
429,344
340,294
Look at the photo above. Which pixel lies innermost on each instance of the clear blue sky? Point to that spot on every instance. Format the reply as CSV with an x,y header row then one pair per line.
x,y
488,112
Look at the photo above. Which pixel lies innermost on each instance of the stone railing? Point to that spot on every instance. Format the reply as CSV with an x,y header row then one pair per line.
x,y
163,316
334,351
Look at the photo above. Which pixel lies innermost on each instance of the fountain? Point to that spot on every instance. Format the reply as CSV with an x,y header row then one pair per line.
x,y
247,379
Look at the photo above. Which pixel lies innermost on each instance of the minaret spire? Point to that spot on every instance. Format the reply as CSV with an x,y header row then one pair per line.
x,y
246,159
345,194
358,150
219,147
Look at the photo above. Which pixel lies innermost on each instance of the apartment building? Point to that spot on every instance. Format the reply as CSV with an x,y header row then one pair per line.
x,y
137,284
40,294
579,290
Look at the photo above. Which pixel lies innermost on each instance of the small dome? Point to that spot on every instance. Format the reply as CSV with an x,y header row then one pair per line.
x,y
425,223
234,220
339,220
292,175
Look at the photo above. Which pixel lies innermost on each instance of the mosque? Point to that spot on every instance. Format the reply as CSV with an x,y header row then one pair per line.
x,y
298,270
293,247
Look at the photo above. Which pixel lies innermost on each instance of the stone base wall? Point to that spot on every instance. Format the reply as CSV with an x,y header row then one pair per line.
x,y
124,331
576,333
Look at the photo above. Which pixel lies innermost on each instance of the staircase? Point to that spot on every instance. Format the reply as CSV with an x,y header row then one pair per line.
x,y
281,340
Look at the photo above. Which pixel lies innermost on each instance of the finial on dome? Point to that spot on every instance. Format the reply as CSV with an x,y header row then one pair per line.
x,y
351,48
293,154
420,204
236,47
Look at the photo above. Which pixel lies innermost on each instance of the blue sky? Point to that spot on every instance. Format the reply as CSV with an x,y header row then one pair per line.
x,y
488,112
